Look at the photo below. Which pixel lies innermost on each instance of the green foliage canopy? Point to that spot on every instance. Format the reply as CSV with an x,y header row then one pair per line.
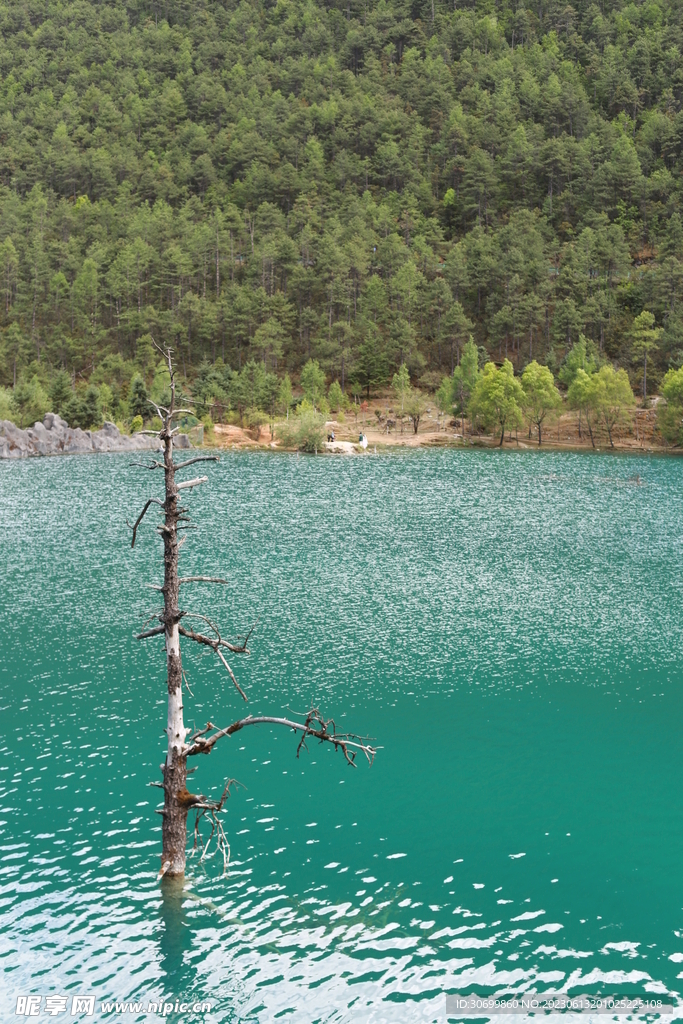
x,y
540,394
498,397
362,185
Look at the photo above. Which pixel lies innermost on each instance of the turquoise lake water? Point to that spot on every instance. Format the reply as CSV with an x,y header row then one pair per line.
x,y
509,627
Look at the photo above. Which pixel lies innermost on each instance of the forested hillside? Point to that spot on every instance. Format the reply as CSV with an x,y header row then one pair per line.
x,y
365,183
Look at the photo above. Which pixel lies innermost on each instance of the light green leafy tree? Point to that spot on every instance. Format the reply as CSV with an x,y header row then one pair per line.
x,y
581,356
106,400
313,382
335,396
465,377
498,397
672,387
540,394
416,406
284,395
444,396
670,412
583,396
614,398
400,385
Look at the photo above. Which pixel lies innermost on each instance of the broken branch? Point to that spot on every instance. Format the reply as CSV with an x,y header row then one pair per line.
x,y
314,725
215,646
153,465
198,458
192,483
213,808
232,676
151,632
202,579
151,501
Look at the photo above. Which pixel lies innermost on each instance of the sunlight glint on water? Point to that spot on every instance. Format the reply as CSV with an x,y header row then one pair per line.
x,y
507,626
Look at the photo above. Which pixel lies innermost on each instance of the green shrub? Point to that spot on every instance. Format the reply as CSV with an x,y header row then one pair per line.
x,y
305,432
207,423
670,412
84,410
136,424
29,402
254,418
669,422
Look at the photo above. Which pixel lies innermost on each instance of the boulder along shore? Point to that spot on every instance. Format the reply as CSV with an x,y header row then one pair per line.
x,y
55,437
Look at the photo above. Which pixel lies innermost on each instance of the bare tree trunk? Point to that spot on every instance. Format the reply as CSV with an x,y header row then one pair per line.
x,y
177,800
174,828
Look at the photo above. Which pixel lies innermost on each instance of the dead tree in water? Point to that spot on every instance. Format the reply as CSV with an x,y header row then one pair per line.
x,y
174,624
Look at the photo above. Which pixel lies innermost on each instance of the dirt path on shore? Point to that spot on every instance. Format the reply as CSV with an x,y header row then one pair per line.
x,y
435,431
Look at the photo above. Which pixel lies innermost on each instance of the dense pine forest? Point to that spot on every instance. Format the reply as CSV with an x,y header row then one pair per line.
x,y
366,184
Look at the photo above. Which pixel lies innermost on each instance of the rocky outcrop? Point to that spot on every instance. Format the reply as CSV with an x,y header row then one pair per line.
x,y
55,437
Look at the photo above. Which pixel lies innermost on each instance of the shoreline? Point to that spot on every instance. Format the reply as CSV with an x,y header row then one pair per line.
x,y
54,437
231,438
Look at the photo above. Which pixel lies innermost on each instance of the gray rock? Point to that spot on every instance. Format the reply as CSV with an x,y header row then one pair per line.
x,y
78,440
39,439
181,441
16,440
52,421
54,436
39,429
